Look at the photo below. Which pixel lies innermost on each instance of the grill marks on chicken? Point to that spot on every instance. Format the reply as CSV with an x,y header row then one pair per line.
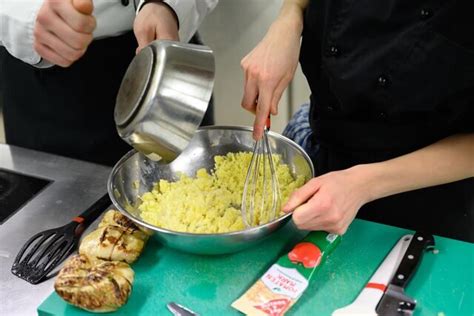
x,y
114,243
99,278
116,218
88,283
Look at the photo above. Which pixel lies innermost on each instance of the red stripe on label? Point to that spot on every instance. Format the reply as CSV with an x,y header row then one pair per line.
x,y
377,286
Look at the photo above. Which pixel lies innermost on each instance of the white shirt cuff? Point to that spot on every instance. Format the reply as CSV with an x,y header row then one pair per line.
x,y
16,30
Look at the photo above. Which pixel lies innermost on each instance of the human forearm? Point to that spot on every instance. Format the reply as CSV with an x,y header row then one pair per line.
x,y
299,4
447,160
291,14
270,66
330,202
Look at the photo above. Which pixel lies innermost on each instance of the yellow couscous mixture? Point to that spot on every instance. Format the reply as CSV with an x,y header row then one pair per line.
x,y
210,203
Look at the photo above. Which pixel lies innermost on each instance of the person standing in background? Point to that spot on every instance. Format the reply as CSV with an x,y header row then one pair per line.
x,y
392,110
62,63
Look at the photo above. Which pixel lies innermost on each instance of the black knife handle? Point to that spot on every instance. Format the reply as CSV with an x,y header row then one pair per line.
x,y
412,257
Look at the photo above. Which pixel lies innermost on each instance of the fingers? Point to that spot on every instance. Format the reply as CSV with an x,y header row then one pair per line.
x,y
277,97
262,92
249,100
268,69
144,37
302,195
257,98
73,16
83,6
315,210
50,55
318,214
329,202
321,213
254,100
306,216
262,111
65,33
64,55
155,21
61,33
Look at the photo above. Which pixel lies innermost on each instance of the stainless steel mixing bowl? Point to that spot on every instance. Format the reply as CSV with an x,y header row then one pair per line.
x,y
135,174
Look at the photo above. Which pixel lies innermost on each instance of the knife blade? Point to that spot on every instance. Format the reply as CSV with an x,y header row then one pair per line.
x,y
179,310
395,302
369,297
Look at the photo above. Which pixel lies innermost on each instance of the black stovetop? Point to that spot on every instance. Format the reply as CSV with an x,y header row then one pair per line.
x,y
16,190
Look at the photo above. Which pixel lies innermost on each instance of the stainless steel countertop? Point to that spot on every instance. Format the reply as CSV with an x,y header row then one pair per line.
x,y
76,185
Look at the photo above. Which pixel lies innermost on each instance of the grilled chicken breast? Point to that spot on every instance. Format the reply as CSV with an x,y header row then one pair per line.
x,y
115,218
113,243
117,238
93,284
99,278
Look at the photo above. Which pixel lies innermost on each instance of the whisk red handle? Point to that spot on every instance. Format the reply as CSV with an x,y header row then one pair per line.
x,y
268,123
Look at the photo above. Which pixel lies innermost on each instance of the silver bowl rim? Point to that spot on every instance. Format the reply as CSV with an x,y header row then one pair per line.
x,y
132,152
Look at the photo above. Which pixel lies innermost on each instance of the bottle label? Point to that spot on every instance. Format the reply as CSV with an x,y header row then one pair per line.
x,y
288,282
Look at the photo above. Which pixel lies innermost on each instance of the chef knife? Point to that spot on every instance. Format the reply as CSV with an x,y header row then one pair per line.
x,y
395,302
179,310
369,297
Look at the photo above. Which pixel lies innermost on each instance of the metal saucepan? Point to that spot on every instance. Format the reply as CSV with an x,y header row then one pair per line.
x,y
163,97
134,175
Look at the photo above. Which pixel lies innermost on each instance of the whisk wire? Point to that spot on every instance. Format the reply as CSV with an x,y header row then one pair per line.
x,y
276,199
245,213
261,173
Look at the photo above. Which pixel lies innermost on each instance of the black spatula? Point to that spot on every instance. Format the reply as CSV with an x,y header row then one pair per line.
x,y
46,250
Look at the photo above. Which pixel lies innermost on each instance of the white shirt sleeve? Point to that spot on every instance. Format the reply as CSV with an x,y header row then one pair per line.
x,y
17,21
190,14
112,18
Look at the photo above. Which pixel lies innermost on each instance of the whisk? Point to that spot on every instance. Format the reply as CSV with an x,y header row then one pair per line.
x,y
261,174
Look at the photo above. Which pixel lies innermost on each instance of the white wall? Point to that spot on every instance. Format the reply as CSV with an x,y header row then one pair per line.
x,y
232,30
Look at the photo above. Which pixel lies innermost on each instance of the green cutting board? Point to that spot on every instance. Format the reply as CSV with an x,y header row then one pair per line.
x,y
443,284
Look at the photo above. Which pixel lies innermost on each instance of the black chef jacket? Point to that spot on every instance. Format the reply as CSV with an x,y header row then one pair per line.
x,y
387,78
69,111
